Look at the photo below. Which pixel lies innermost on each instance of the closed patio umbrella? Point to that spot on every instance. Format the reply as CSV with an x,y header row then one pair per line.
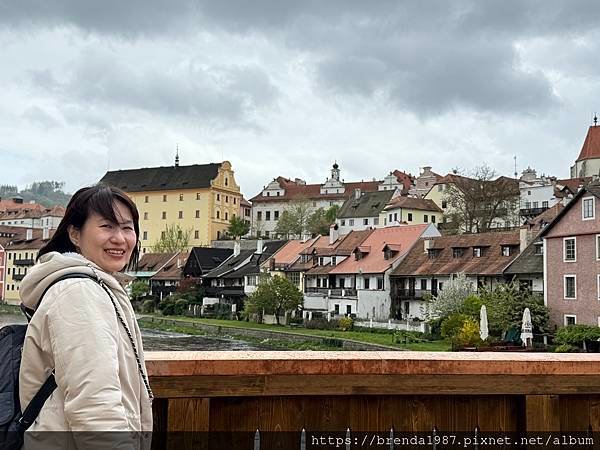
x,y
527,329
483,323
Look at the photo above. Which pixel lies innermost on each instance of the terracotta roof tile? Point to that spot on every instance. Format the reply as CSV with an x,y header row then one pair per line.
x,y
173,270
413,203
591,145
402,237
491,262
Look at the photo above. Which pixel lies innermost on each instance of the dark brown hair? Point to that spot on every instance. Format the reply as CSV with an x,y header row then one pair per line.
x,y
99,199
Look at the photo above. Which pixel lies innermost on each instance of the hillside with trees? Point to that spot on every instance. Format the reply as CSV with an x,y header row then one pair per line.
x,y
46,193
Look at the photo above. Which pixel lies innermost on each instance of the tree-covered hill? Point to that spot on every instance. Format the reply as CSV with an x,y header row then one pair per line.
x,y
47,193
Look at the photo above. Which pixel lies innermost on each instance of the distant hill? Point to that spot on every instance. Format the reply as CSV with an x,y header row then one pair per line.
x,y
47,193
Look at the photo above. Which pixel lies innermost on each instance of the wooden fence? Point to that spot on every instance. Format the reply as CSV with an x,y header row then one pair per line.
x,y
233,394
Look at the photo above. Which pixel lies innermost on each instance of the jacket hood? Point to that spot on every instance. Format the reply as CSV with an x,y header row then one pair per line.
x,y
53,265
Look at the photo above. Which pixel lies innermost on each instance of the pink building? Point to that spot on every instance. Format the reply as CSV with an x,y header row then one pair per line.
x,y
572,261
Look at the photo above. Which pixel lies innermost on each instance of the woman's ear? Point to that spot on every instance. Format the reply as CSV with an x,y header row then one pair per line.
x,y
73,235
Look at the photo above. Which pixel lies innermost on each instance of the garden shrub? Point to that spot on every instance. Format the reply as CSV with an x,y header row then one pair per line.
x,y
452,324
408,337
346,323
468,335
566,348
576,335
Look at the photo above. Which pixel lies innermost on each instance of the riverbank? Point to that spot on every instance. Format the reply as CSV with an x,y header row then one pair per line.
x,y
285,337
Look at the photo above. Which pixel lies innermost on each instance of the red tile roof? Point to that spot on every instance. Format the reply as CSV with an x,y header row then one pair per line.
x,y
401,238
290,252
407,180
591,145
173,270
491,262
295,191
463,183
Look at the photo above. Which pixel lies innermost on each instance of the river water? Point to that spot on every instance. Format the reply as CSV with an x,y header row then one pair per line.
x,y
170,341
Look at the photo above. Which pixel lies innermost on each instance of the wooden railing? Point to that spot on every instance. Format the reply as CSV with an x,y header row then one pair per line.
x,y
370,391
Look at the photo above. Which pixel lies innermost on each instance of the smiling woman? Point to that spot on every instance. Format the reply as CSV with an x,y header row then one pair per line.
x,y
85,329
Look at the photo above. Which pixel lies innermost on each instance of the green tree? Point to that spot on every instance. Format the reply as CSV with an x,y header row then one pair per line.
x,y
293,221
320,220
505,305
139,288
173,239
238,227
274,295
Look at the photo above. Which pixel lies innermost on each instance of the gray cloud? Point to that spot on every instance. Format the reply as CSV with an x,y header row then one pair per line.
x,y
216,94
39,117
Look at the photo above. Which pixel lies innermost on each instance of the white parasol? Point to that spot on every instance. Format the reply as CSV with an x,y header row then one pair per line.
x,y
483,323
527,329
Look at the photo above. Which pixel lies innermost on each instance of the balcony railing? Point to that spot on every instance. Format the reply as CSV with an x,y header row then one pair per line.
x,y
332,292
532,211
414,293
227,396
24,262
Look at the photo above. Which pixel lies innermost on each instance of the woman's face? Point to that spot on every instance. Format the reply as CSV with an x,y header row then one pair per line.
x,y
105,243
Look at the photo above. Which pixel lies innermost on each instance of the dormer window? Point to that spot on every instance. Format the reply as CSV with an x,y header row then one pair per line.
x,y
433,253
506,250
358,255
457,252
333,261
477,252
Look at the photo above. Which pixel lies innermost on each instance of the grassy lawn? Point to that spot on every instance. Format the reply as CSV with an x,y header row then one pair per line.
x,y
381,338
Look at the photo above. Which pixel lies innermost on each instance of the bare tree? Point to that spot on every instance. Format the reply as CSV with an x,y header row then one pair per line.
x,y
173,239
481,202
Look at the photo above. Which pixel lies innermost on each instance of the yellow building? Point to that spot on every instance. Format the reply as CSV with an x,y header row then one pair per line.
x,y
410,210
20,256
200,198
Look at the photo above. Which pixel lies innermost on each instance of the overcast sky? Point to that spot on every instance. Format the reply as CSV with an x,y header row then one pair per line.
x,y
286,87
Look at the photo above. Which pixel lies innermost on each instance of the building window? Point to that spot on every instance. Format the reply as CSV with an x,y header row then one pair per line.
x,y
380,283
425,218
376,221
588,209
267,233
268,215
259,215
444,204
570,287
234,199
506,250
146,199
333,260
343,222
598,285
163,234
218,197
276,215
181,214
424,283
432,219
197,195
365,221
180,197
145,216
218,214
535,205
527,205
226,215
410,217
457,252
227,199
164,215
351,222
433,253
197,214
569,249
544,204
145,236
226,181
366,283
164,197
196,234
570,319
476,252
218,234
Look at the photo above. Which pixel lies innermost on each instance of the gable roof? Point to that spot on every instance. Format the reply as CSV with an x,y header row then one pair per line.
x,y
369,204
506,184
399,238
252,266
197,176
590,188
591,145
20,242
153,262
297,191
173,270
208,257
290,252
491,262
528,261
413,203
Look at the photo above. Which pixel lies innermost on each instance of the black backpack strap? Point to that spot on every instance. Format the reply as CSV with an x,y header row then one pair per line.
x,y
37,402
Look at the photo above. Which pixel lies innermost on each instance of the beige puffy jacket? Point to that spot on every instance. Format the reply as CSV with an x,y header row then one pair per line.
x,y
75,331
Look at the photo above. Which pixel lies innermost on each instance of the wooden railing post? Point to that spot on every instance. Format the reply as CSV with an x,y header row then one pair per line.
x,y
542,412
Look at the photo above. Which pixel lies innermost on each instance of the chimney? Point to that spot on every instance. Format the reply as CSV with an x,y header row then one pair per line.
x,y
45,233
334,234
29,234
259,246
427,243
236,248
357,193
178,263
